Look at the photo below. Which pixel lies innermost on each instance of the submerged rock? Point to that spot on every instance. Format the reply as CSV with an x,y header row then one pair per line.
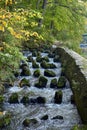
x,y
24,82
13,98
58,97
49,73
45,117
27,122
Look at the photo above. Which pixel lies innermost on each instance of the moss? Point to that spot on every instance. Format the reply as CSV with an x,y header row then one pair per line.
x,y
58,97
53,83
49,73
35,65
25,71
24,82
39,59
45,58
1,99
61,82
36,73
2,89
25,100
84,127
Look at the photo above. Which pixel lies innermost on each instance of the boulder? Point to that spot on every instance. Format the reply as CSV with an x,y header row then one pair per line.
x,y
25,71
24,82
56,58
30,59
49,73
25,100
41,100
45,58
27,122
39,59
61,82
53,83
42,82
45,117
58,117
36,73
13,98
34,53
1,99
44,65
35,65
58,97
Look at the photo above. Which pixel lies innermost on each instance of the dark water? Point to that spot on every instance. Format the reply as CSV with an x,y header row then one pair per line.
x,y
20,111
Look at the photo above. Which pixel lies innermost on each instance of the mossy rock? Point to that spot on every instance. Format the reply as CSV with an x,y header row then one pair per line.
x,y
13,98
34,53
49,73
42,82
45,117
25,72
27,122
35,65
23,65
45,65
45,58
41,100
56,58
61,82
25,100
53,83
2,89
5,120
39,59
77,127
1,99
58,97
16,73
51,55
52,66
24,82
30,58
36,73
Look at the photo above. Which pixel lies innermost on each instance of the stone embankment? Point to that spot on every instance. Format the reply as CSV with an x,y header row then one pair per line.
x,y
75,68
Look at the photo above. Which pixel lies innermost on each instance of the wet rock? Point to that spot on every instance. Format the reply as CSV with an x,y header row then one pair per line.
x,y
25,100
25,72
5,120
51,55
24,82
22,66
42,82
49,73
27,122
53,83
13,98
30,59
45,58
39,59
16,73
32,101
44,65
56,58
34,53
35,65
41,100
72,99
52,66
45,117
58,117
1,99
36,73
58,97
61,82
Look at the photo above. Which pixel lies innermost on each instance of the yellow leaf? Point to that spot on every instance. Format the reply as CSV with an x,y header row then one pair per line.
x,y
2,28
4,23
11,30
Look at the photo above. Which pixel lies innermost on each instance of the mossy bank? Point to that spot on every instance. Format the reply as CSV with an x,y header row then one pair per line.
x,y
75,69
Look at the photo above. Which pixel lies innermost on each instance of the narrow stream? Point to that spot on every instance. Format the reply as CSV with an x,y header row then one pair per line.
x,y
19,111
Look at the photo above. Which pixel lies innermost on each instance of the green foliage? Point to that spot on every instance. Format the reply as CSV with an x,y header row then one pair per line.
x,y
84,127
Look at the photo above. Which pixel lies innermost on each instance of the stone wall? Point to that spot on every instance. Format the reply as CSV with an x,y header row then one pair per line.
x,y
75,68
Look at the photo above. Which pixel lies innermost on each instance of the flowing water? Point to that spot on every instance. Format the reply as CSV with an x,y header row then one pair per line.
x,y
19,111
